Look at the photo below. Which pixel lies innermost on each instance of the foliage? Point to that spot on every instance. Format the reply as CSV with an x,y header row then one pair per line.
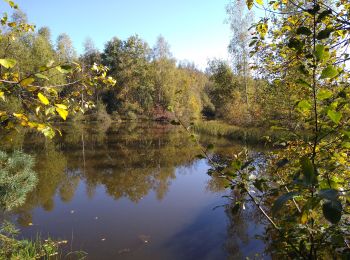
x,y
303,46
252,135
17,179
32,82
11,248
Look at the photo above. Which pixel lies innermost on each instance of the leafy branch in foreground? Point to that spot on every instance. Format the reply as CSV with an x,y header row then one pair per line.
x,y
40,99
304,46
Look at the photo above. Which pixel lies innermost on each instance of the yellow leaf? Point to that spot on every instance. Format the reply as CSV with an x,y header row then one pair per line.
x,y
43,99
260,2
304,218
62,112
41,127
8,63
2,95
275,6
61,106
32,124
26,82
20,116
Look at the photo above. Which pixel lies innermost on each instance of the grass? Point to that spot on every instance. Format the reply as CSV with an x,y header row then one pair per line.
x,y
11,248
24,249
250,135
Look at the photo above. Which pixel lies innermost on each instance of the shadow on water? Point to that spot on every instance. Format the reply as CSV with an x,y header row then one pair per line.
x,y
133,191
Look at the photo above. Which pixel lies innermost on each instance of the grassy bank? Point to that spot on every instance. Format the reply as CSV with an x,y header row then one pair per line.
x,y
249,135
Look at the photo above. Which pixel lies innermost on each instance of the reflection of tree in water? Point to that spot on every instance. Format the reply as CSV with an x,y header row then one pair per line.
x,y
245,224
134,160
241,242
50,167
128,161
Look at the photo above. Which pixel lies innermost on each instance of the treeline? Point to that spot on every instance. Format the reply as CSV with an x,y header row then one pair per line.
x,y
150,82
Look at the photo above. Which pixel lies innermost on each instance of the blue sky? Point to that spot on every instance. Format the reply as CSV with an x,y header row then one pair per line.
x,y
195,29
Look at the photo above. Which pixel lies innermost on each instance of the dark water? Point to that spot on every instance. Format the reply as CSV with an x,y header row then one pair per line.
x,y
133,191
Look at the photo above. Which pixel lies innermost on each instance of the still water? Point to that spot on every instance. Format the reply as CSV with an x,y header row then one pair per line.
x,y
133,191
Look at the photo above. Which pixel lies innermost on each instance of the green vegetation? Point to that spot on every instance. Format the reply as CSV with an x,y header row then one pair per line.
x,y
24,249
289,74
252,135
17,179
301,50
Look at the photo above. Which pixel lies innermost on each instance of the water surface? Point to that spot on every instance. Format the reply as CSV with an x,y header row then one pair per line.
x,y
133,191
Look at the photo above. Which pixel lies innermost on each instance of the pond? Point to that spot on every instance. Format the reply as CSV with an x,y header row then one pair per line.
x,y
133,191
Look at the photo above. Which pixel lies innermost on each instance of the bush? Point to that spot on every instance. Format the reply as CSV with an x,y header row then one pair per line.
x,y
17,178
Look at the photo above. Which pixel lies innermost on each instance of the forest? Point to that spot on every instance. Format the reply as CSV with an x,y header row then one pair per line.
x,y
285,87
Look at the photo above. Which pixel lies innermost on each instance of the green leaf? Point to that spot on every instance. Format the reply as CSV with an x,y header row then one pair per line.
x,y
41,76
62,112
319,52
279,203
346,145
295,44
324,34
304,31
334,116
304,105
236,165
329,72
324,94
252,43
8,63
308,170
43,99
26,82
332,210
12,4
303,83
323,15
314,10
48,132
64,69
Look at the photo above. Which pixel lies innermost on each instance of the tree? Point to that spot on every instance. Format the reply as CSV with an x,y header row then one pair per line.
x,y
91,54
239,49
17,179
164,71
129,63
161,49
65,49
308,179
36,97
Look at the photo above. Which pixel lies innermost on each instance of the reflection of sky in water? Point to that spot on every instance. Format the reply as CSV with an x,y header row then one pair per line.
x,y
178,224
